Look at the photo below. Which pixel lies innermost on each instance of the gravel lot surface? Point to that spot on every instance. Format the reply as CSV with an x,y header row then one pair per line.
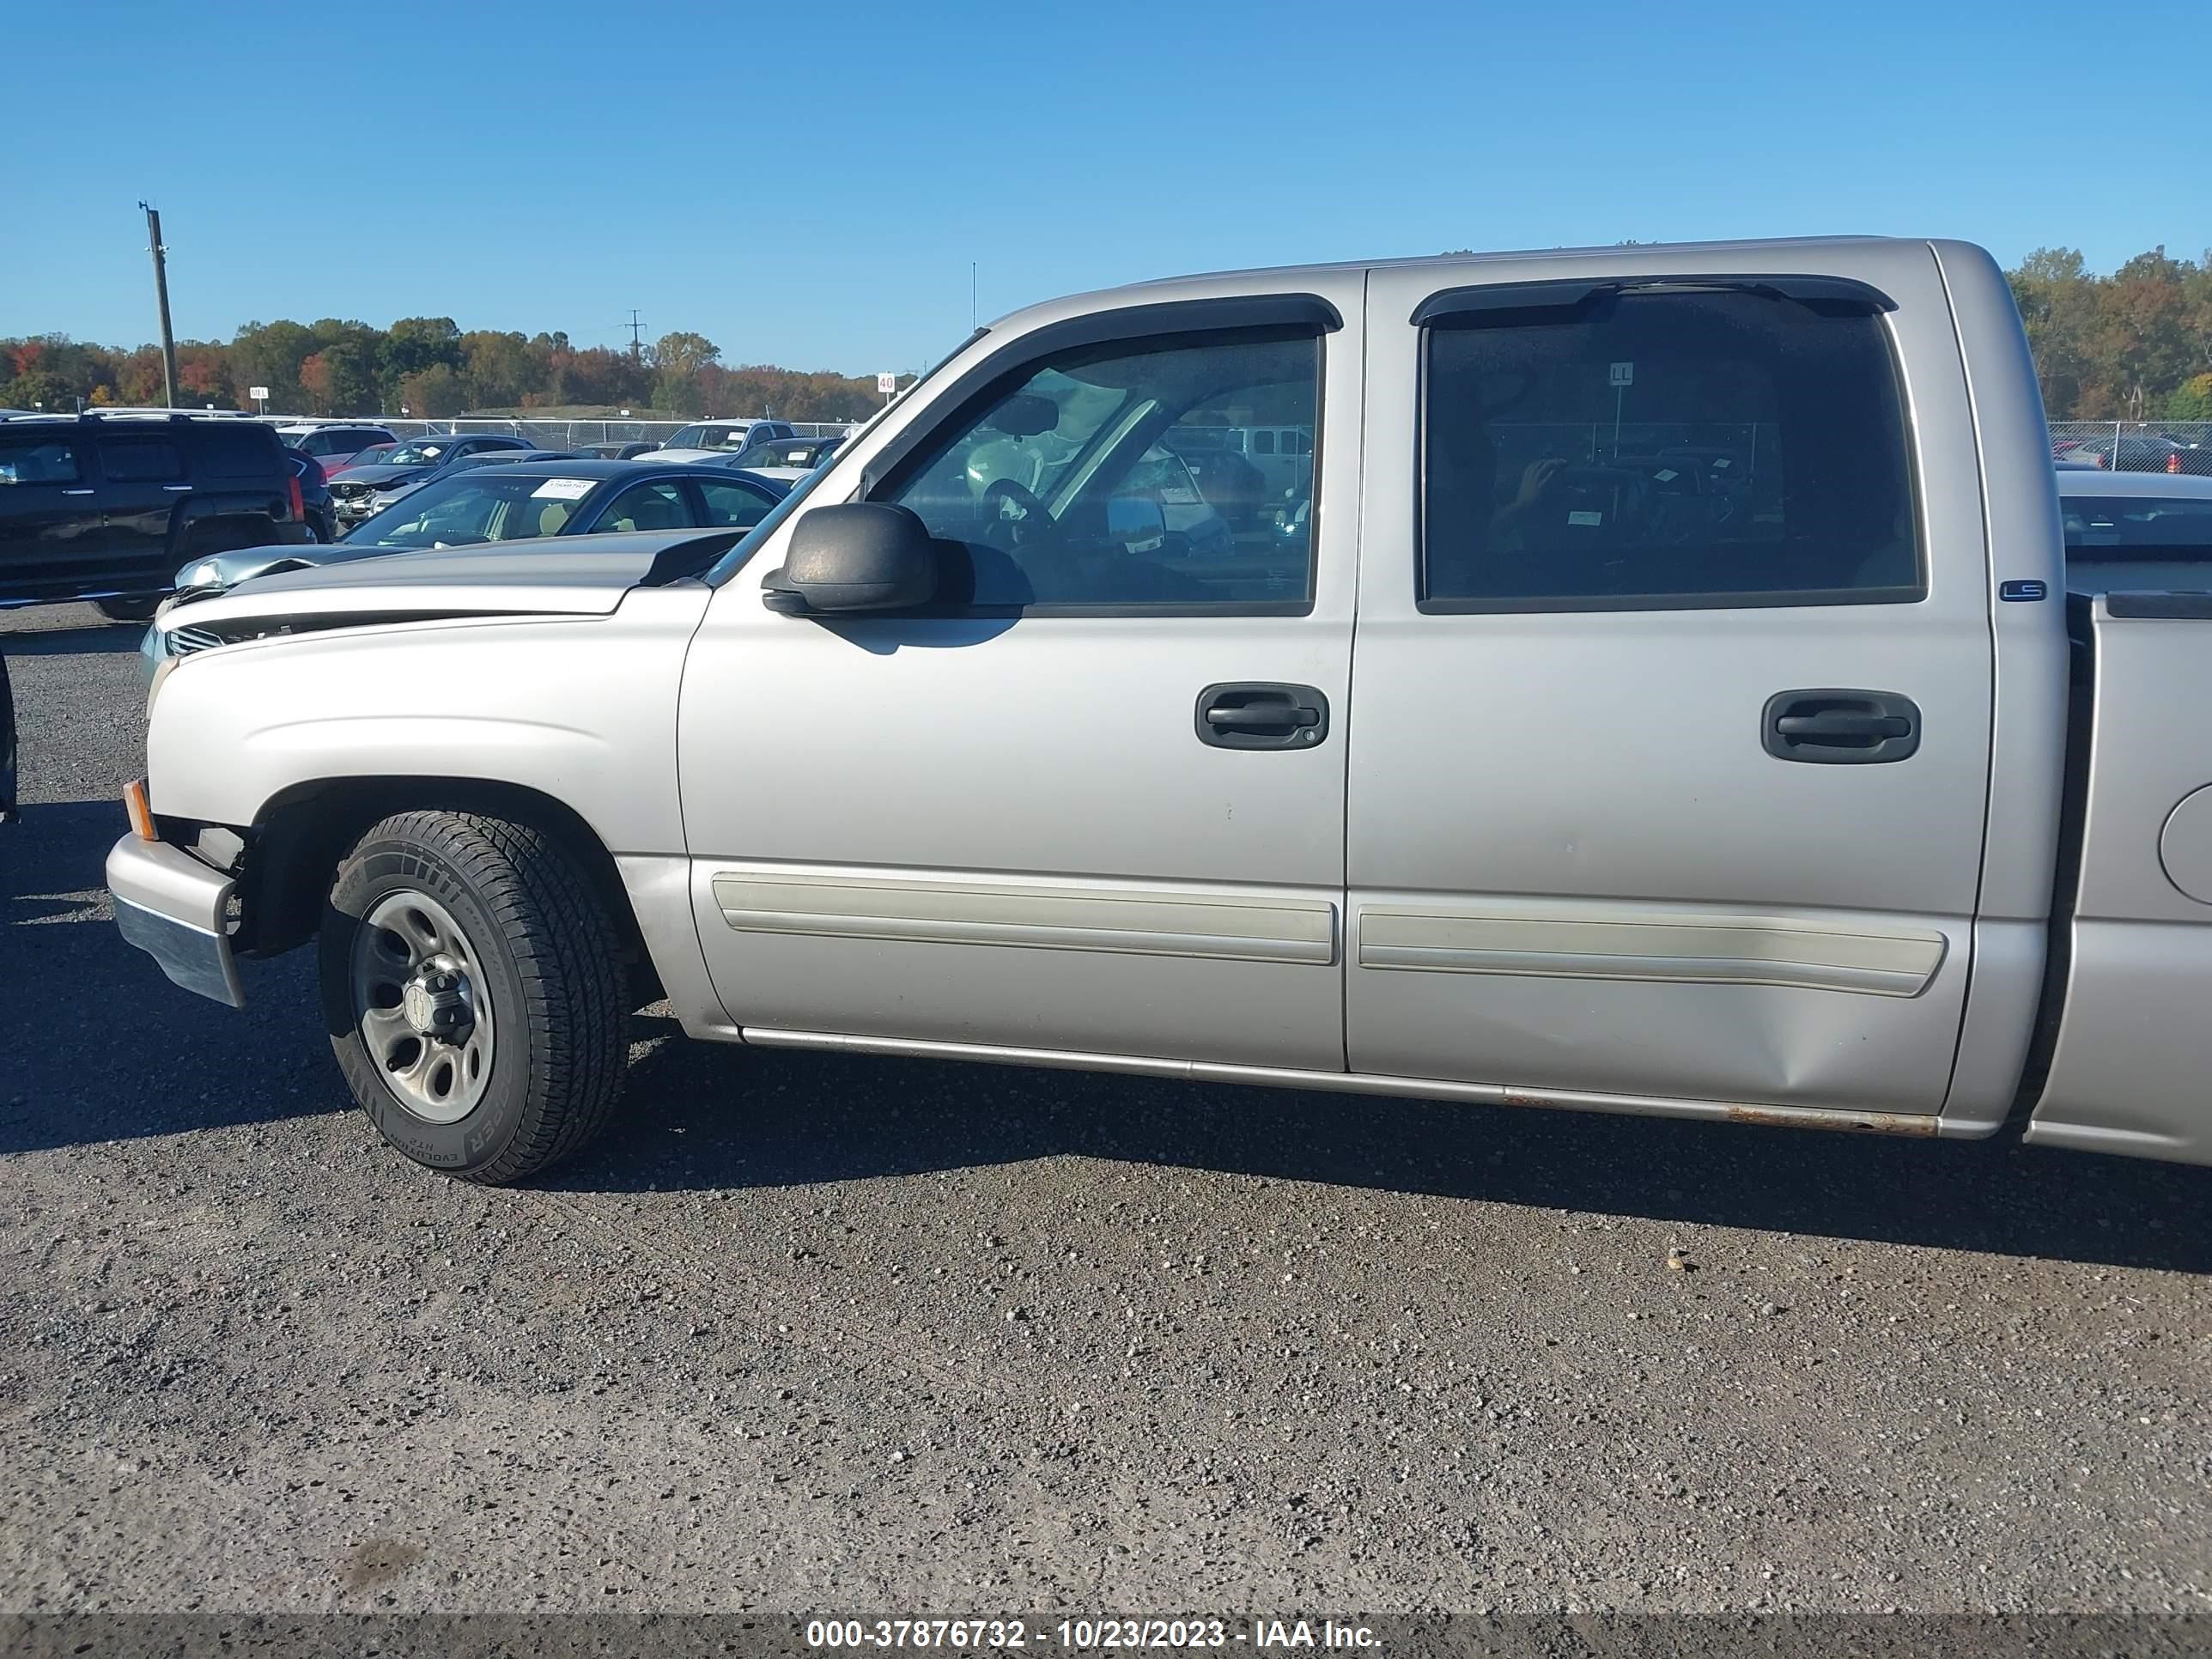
x,y
824,1333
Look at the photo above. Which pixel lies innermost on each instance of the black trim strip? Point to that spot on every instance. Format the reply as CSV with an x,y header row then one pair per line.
x,y
1495,303
1759,599
2165,607
1232,314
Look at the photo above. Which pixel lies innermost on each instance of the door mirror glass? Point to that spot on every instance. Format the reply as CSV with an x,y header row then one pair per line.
x,y
863,556
1136,521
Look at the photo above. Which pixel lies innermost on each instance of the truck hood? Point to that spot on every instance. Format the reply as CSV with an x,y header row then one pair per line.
x,y
548,576
377,474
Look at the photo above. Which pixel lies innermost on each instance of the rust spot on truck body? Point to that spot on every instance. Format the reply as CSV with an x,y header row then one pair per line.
x,y
1826,1117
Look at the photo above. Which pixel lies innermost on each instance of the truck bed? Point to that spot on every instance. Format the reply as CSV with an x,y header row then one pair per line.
x,y
2129,1065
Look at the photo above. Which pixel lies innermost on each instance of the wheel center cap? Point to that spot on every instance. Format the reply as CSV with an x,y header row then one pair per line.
x,y
435,1002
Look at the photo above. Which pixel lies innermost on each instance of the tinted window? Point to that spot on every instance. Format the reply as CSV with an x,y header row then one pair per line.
x,y
646,507
140,462
242,450
26,459
2117,527
1059,487
1683,450
734,505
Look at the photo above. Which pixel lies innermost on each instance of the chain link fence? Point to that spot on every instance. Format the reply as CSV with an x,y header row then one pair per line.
x,y
2136,446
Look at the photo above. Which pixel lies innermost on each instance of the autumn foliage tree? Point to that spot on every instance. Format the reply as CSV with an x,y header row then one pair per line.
x,y
2124,347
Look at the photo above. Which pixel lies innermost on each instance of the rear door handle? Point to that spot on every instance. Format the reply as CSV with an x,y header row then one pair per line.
x,y
1834,726
1261,714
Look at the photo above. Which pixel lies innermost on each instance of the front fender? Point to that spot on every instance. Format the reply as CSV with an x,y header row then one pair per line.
x,y
579,709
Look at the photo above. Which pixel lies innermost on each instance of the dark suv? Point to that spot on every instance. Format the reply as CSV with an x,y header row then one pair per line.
x,y
106,508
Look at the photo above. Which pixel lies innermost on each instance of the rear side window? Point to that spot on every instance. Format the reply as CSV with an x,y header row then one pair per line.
x,y
26,459
144,461
1668,449
241,449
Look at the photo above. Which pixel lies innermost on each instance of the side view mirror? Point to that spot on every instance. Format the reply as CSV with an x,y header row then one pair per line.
x,y
862,555
1135,520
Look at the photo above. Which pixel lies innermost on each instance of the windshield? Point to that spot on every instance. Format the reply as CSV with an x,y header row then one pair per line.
x,y
496,458
806,453
479,506
417,453
2120,527
711,435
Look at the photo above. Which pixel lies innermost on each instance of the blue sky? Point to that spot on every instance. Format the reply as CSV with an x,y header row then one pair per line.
x,y
807,184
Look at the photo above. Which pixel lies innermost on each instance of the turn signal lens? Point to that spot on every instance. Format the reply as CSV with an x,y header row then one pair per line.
x,y
142,815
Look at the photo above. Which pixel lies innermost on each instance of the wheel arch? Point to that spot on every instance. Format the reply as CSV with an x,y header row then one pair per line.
x,y
303,830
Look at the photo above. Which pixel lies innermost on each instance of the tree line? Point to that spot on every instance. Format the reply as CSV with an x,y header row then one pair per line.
x,y
2134,345
423,367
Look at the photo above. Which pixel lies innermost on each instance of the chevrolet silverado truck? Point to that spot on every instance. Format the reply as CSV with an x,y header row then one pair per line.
x,y
1670,704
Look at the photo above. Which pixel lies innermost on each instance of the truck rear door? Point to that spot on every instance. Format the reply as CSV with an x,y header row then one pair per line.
x,y
1672,681
144,483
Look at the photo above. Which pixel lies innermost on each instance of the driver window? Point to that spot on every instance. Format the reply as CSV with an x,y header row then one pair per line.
x,y
1073,484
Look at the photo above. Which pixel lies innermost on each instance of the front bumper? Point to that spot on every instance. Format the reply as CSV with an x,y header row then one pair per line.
x,y
175,909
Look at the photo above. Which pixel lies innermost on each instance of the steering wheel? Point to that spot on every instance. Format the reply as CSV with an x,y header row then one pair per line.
x,y
996,523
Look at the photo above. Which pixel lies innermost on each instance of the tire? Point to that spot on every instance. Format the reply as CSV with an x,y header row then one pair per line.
x,y
484,943
138,610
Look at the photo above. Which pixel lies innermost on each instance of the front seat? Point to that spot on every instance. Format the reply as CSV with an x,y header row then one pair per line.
x,y
651,511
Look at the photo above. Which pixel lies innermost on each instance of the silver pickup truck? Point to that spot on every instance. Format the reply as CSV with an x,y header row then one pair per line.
x,y
1655,692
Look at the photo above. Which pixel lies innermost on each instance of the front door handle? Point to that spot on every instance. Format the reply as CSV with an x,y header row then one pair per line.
x,y
1837,727
1261,714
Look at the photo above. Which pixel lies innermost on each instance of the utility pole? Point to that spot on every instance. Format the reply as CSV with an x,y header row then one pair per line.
x,y
161,298
636,334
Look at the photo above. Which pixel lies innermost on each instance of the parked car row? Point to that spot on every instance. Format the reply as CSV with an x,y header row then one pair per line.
x,y
2147,452
511,496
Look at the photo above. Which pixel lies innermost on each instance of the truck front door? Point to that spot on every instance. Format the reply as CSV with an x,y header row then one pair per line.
x,y
1091,799
1672,682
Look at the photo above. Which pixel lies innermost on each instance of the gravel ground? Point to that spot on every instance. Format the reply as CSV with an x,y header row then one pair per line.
x,y
822,1333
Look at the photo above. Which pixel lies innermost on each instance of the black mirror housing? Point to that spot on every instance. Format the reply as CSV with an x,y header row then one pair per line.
x,y
861,555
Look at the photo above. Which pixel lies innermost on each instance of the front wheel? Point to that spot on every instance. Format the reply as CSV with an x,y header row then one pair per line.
x,y
138,610
473,991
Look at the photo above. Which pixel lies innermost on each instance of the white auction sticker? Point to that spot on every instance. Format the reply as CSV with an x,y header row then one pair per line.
x,y
565,489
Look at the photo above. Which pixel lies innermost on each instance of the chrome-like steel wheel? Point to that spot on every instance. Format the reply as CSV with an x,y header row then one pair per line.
x,y
422,1006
